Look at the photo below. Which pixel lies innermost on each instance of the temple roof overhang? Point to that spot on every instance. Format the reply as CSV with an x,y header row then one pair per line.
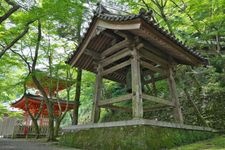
x,y
108,32
49,83
34,102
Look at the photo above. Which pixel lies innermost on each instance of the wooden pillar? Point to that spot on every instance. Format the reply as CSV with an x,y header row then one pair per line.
x,y
137,107
97,95
173,93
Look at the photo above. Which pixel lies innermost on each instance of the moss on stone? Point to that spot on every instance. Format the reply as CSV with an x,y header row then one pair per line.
x,y
132,137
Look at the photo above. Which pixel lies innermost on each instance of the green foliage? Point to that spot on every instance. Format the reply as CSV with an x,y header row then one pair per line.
x,y
87,90
5,112
211,144
11,78
207,92
199,24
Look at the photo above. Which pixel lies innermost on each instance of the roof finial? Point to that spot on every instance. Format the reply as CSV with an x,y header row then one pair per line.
x,y
142,11
149,13
101,9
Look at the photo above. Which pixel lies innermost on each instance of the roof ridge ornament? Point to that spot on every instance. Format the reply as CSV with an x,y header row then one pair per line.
x,y
143,11
101,9
148,15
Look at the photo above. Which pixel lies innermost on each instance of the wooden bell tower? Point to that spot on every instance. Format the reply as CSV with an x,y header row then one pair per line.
x,y
113,43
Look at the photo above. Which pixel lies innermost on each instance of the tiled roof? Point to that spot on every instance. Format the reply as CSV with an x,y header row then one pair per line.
x,y
105,15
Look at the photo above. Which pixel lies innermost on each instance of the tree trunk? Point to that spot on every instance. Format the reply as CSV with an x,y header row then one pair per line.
x,y
37,130
34,119
51,136
77,97
14,8
9,13
57,126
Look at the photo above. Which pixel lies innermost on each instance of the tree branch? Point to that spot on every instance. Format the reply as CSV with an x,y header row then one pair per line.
x,y
33,68
24,59
14,8
16,39
146,5
37,46
161,7
10,2
198,113
190,18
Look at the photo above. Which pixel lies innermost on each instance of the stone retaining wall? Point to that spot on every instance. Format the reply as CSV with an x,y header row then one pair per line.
x,y
133,134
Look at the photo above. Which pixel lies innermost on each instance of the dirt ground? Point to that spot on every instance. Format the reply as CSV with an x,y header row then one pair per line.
x,y
29,144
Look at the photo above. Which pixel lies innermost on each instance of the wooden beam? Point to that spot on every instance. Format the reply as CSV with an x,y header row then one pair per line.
x,y
110,35
115,48
115,100
173,94
139,46
172,47
153,49
122,34
117,56
156,108
125,34
86,42
113,107
155,79
92,53
116,67
151,67
137,106
147,72
149,104
117,26
97,96
154,58
157,100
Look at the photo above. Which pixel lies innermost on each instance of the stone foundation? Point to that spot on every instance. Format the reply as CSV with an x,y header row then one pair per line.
x,y
133,134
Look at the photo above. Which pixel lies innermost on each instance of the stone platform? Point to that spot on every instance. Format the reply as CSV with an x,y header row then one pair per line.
x,y
133,134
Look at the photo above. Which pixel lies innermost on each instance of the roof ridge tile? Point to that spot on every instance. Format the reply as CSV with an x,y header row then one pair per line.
x,y
102,13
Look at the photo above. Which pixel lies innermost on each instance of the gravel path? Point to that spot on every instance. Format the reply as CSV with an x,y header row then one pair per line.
x,y
30,144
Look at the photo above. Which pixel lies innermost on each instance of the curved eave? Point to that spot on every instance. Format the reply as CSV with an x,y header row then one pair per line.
x,y
36,100
158,35
140,25
86,38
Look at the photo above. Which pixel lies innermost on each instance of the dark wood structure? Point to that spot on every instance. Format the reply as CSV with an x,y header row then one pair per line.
x,y
113,43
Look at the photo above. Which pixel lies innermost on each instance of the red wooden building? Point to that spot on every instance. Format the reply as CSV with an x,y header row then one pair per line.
x,y
34,102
